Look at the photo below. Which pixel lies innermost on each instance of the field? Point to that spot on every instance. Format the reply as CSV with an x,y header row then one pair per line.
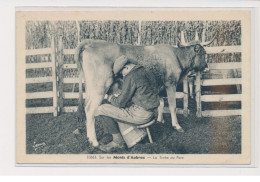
x,y
54,135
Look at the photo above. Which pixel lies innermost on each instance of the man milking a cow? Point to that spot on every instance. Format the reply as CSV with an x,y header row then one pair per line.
x,y
139,90
99,62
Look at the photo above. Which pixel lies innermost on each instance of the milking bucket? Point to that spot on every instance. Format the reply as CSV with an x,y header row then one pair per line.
x,y
131,134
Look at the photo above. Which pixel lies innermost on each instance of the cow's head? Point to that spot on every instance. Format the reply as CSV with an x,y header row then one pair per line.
x,y
198,54
198,60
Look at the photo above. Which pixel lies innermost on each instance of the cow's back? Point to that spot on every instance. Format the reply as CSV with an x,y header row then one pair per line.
x,y
153,58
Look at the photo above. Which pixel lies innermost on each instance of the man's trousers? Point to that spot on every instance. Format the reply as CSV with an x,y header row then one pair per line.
x,y
131,115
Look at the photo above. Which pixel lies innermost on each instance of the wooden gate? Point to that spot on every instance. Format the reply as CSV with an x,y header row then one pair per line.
x,y
230,75
44,54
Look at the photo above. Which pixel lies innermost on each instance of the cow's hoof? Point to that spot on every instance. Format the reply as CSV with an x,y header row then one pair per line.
x,y
76,132
180,130
161,121
94,143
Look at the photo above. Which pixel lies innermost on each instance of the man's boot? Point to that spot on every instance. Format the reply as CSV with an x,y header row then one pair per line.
x,y
117,143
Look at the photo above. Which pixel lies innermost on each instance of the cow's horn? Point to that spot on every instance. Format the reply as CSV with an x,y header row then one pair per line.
x,y
208,42
193,42
178,42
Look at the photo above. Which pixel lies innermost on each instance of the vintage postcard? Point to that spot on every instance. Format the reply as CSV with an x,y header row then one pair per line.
x,y
133,86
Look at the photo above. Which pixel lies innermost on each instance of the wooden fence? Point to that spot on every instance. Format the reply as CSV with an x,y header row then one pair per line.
x,y
223,69
58,95
53,78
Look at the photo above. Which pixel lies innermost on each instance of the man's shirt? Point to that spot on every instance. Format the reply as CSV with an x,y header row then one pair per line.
x,y
139,87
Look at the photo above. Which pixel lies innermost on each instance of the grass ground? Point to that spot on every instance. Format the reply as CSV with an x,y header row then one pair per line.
x,y
50,135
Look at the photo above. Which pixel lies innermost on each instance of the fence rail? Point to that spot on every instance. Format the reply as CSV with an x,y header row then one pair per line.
x,y
226,81
223,49
34,52
219,98
70,66
39,80
38,65
41,110
218,113
221,66
39,95
68,51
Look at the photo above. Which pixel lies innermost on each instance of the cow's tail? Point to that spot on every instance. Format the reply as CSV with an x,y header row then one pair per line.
x,y
78,61
81,110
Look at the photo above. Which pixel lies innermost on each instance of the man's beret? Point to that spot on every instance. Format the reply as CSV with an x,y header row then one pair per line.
x,y
119,64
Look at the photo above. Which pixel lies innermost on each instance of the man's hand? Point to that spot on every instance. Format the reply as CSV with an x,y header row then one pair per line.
x,y
108,97
116,95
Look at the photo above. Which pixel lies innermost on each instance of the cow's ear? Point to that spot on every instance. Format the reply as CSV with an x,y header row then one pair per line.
x,y
197,48
179,44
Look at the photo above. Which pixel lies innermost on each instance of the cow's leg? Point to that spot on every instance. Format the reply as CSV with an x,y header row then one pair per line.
x,y
160,111
171,94
98,80
94,99
95,95
91,105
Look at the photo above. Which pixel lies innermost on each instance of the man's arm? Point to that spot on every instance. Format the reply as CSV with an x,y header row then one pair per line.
x,y
126,95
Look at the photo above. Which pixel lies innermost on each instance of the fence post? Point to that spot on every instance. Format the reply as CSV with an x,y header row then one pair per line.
x,y
54,77
198,79
139,33
78,29
186,97
183,42
59,66
198,94
185,85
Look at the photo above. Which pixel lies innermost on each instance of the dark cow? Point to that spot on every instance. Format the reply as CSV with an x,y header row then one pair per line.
x,y
169,65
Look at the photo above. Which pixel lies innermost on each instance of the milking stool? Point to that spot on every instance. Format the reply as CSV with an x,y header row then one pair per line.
x,y
146,127
134,133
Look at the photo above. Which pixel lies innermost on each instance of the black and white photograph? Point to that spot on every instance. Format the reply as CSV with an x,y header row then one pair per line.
x,y
124,86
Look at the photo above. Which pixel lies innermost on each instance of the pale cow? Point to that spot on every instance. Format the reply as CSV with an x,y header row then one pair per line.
x,y
169,65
